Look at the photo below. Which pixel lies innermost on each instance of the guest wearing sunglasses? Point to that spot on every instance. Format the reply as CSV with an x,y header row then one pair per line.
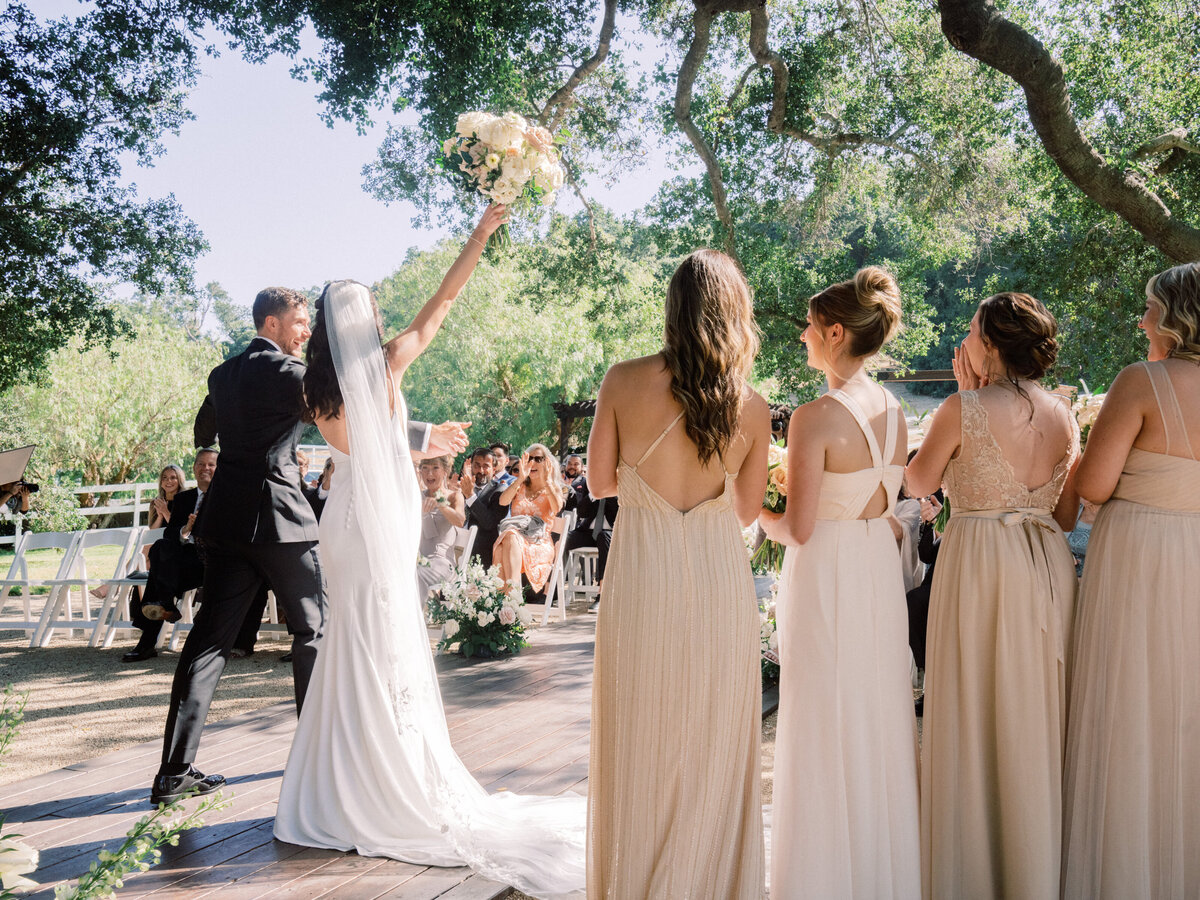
x,y
536,497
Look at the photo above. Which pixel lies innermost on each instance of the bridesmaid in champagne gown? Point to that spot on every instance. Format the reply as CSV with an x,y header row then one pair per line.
x,y
1000,614
845,798
674,808
1133,769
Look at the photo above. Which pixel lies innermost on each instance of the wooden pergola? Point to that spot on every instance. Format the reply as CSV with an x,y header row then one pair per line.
x,y
568,413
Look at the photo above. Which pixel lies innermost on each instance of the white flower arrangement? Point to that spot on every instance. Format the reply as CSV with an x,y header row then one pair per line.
x,y
769,639
769,556
1086,408
505,158
479,613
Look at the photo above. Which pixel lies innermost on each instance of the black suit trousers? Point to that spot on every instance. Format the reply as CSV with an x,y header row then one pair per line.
x,y
234,575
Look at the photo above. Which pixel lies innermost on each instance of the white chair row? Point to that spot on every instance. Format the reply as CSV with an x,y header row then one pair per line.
x,y
65,599
41,607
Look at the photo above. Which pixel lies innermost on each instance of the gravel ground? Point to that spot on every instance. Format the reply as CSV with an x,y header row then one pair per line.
x,y
85,702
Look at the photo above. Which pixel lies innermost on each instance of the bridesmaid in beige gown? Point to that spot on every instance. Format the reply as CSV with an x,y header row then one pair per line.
x,y
674,808
845,799
1133,745
1000,614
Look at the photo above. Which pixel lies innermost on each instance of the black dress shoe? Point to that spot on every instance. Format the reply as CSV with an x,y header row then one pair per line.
x,y
287,657
169,788
137,654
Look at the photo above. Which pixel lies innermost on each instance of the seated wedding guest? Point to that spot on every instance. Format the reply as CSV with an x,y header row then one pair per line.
x,y
319,492
535,498
1133,770
481,493
846,790
312,492
1001,613
170,483
503,464
594,524
442,511
175,566
573,468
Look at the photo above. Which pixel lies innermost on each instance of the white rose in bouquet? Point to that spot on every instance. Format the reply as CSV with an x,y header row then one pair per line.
x,y
507,616
470,123
450,628
484,619
17,859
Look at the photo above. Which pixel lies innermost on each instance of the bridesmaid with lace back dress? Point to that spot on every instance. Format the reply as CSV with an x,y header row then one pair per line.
x,y
1133,769
674,808
1000,613
845,798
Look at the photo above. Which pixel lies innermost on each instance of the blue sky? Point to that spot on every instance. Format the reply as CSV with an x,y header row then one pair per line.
x,y
278,194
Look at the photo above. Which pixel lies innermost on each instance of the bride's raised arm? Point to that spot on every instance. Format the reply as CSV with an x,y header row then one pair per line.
x,y
412,341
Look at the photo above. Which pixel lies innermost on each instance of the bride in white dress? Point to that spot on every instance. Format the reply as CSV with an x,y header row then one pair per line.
x,y
372,768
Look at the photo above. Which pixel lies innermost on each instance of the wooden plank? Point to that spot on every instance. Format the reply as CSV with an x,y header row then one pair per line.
x,y
517,723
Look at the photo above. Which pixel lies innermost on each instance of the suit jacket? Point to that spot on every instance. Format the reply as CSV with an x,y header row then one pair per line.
x,y
586,506
486,512
182,506
254,403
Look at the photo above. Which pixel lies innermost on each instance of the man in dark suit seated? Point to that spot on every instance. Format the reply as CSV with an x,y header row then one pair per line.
x,y
175,566
482,492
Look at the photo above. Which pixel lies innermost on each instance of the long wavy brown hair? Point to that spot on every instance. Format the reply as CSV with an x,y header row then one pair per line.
x,y
322,395
710,342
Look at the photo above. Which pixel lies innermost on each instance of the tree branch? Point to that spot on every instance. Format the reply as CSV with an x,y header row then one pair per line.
x,y
832,144
701,24
1174,143
977,29
561,100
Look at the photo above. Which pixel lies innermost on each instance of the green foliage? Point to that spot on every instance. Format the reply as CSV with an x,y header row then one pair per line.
x,y
532,328
140,850
79,96
104,417
12,714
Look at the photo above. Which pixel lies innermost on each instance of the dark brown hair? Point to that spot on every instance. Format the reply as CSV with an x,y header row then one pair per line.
x,y
275,301
322,395
867,306
710,341
1022,331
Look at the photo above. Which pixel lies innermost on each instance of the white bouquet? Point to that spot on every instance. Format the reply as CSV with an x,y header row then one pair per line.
x,y
505,158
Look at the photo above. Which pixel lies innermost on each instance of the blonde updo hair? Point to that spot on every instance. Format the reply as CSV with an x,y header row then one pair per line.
x,y
710,340
867,306
1176,293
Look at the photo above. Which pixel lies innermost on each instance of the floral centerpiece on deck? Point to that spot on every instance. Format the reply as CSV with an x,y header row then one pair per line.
x,y
505,158
479,612
769,556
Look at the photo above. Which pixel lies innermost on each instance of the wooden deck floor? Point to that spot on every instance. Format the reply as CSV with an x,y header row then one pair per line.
x,y
519,724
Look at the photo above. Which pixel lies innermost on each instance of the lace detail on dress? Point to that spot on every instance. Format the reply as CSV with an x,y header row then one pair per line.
x,y
981,477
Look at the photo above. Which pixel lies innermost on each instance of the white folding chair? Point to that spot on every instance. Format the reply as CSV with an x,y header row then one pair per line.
x,y
173,633
58,611
120,592
581,573
554,584
16,611
464,540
